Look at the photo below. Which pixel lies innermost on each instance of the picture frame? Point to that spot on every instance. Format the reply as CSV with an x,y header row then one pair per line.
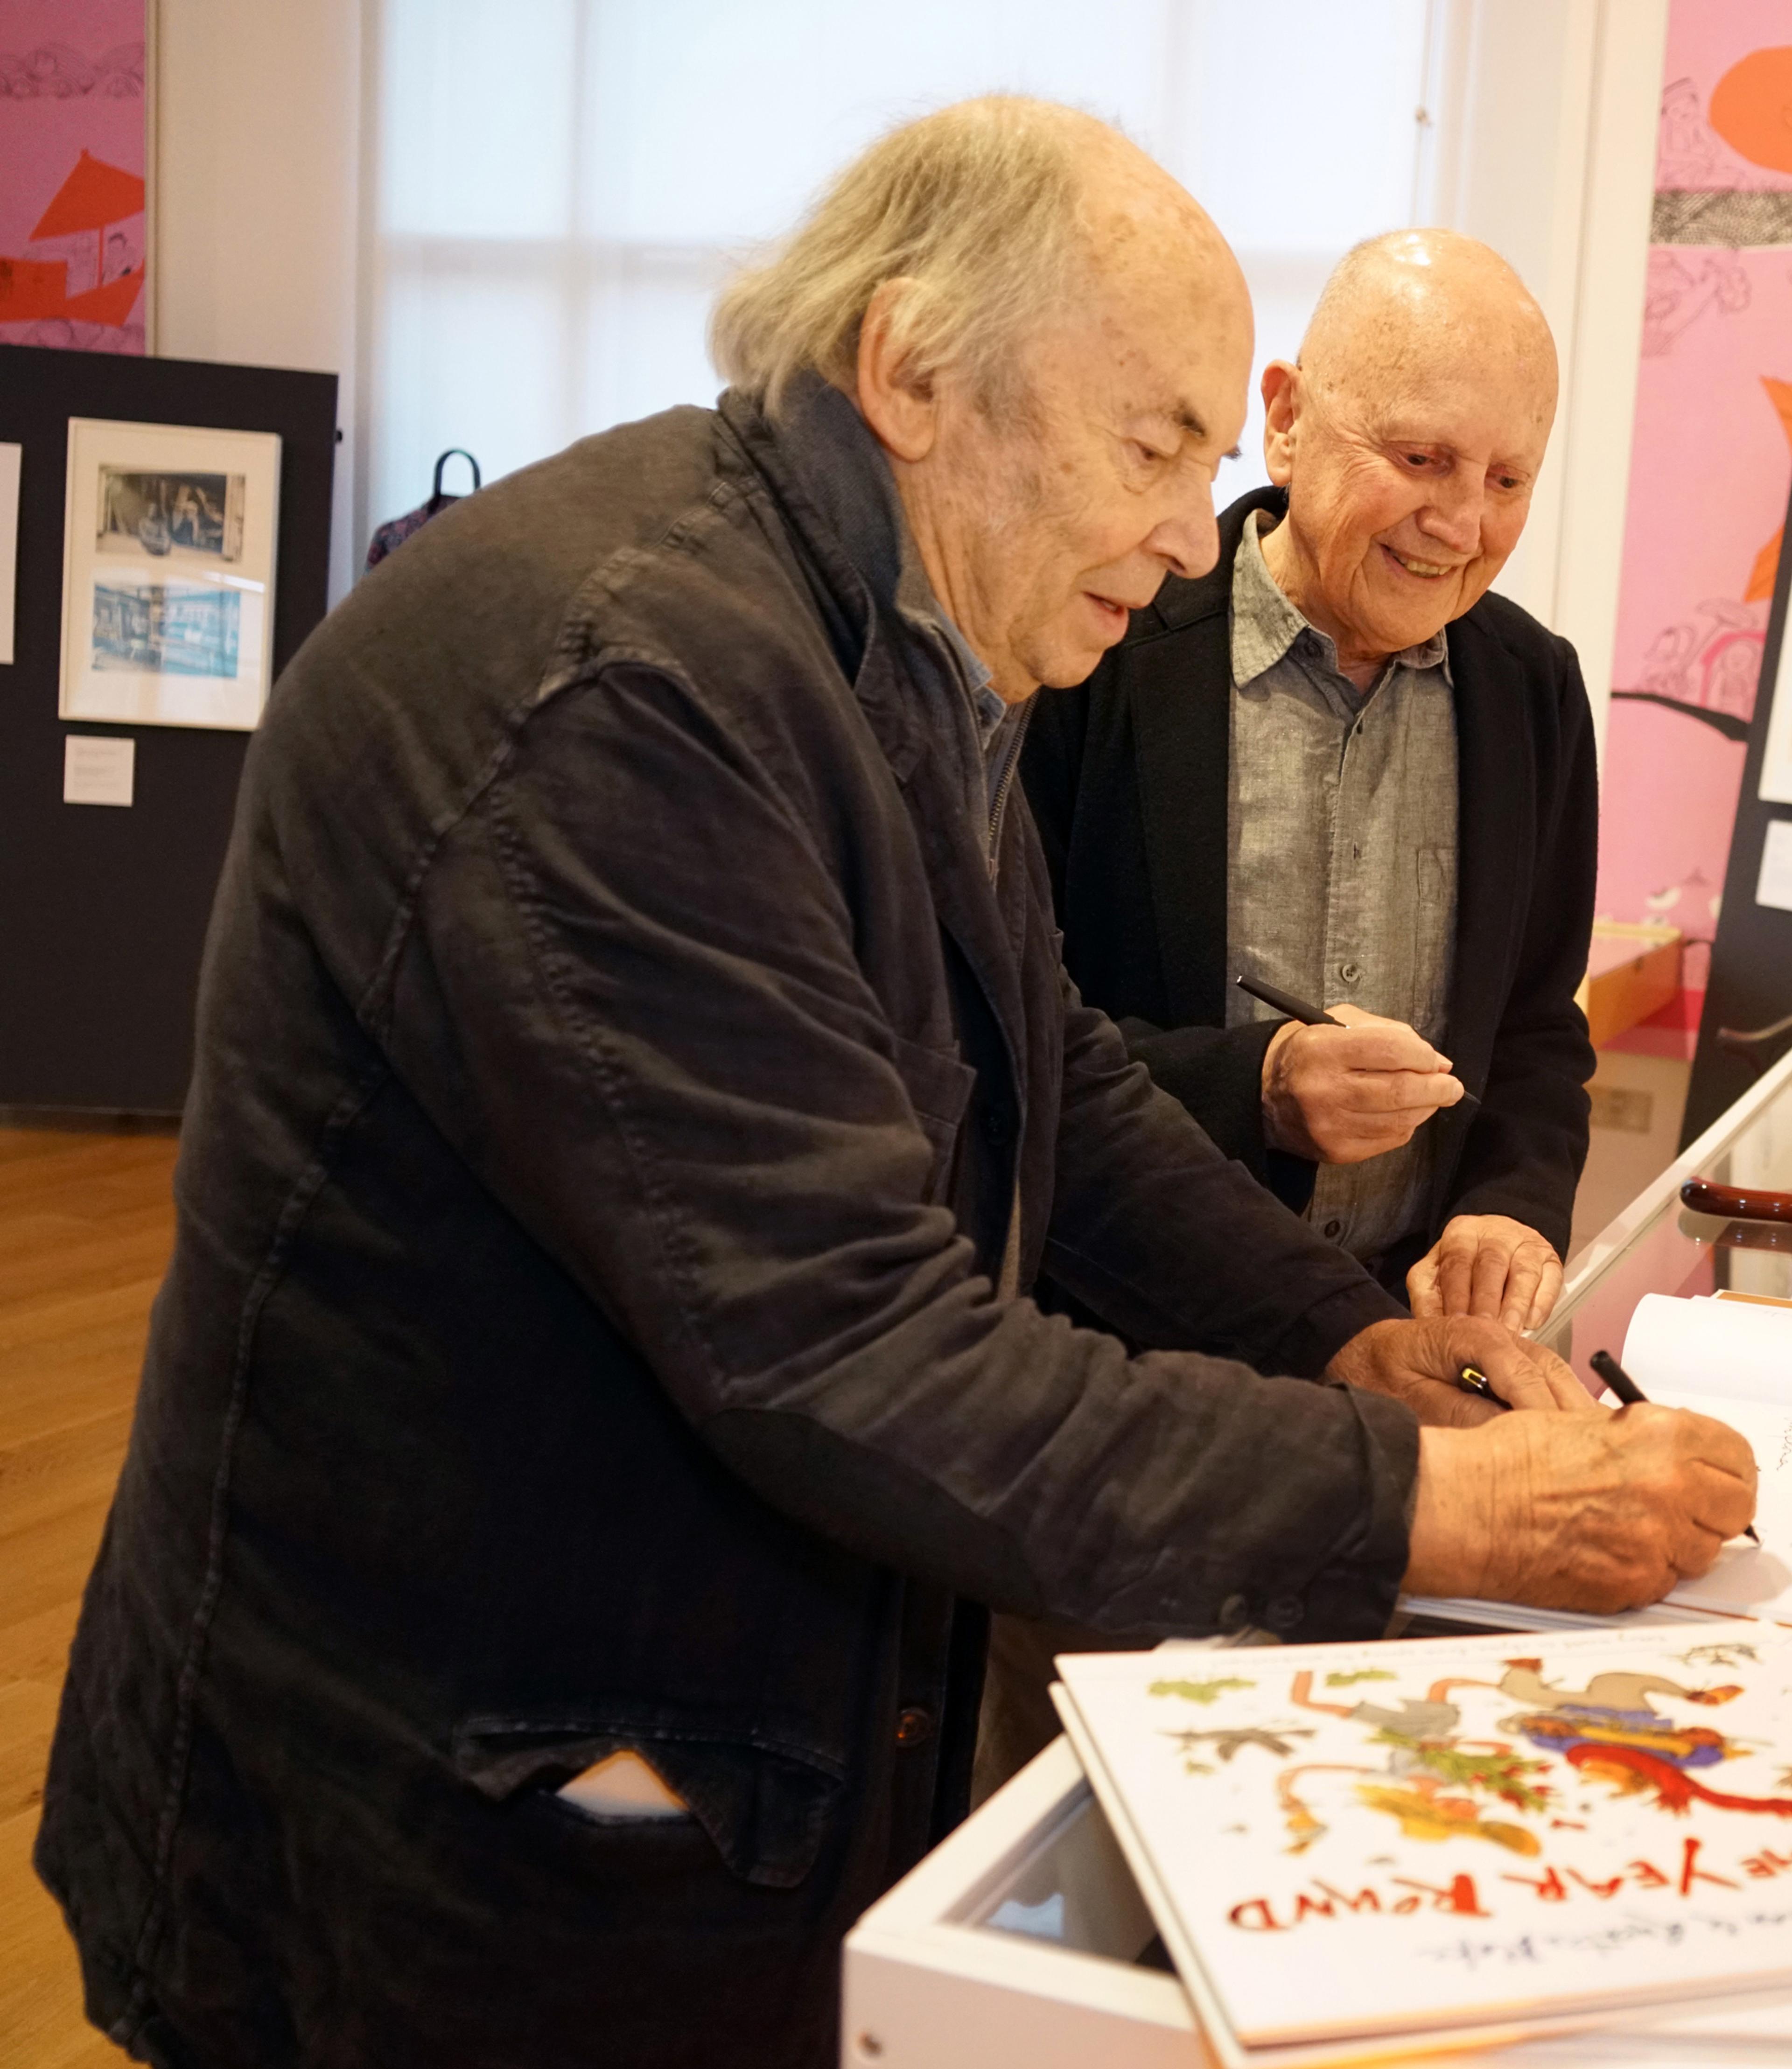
x,y
170,542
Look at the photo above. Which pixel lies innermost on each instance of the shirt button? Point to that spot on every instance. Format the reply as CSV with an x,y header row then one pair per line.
x,y
914,1727
1350,972
1334,1230
995,1126
1234,1613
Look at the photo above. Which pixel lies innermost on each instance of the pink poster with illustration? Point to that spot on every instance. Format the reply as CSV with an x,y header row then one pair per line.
x,y
1711,463
73,142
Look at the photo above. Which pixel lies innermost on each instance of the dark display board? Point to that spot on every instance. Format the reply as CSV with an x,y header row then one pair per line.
x,y
1751,958
103,910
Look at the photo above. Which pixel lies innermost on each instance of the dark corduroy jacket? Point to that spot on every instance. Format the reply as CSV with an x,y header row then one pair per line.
x,y
615,1065
1128,778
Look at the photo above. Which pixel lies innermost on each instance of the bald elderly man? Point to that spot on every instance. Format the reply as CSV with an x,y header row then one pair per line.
x,y
596,1392
1338,764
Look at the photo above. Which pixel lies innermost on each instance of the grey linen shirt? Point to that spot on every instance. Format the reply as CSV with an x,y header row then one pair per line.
x,y
1340,882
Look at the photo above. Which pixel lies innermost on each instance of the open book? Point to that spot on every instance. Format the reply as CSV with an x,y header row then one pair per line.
x,y
1731,1360
1355,1851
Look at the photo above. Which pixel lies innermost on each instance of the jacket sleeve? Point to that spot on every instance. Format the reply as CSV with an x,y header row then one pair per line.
x,y
1216,1074
663,1057
1525,1148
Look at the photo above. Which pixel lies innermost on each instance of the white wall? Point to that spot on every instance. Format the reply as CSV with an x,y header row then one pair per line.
x,y
258,153
1546,142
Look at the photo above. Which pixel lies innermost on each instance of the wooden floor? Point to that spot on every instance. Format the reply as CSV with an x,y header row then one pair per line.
x,y
85,1226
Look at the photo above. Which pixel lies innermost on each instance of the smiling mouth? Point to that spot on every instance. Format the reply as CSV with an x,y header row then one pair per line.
x,y
1429,570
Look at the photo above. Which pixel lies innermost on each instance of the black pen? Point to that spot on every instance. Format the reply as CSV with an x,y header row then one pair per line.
x,y
1311,1016
1632,1396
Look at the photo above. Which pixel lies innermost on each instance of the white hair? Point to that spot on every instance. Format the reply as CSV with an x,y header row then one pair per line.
x,y
977,209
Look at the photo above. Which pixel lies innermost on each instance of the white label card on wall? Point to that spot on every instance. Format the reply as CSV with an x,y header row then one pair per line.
x,y
10,456
1775,886
99,768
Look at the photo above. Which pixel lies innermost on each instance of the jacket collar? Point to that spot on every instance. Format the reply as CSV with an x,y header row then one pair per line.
x,y
843,519
1181,699
1181,602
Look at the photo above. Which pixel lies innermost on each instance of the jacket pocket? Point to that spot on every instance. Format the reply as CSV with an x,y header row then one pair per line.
x,y
765,1807
939,1088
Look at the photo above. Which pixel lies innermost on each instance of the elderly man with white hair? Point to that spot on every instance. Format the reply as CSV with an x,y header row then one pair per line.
x,y
596,1396
1336,763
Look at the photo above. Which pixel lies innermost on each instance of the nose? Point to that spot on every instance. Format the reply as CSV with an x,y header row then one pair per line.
x,y
1188,540
1453,516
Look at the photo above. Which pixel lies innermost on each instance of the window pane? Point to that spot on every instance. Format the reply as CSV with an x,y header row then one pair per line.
x,y
466,361
644,340
714,122
476,118
584,172
1308,134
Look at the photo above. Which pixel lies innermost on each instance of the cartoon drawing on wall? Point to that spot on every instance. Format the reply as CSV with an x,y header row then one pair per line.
x,y
1711,459
73,239
1681,287
1708,666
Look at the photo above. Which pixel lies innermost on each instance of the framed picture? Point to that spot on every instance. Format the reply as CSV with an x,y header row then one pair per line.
x,y
168,574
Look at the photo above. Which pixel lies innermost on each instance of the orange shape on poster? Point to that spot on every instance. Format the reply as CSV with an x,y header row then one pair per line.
x,y
96,193
1767,560
1751,108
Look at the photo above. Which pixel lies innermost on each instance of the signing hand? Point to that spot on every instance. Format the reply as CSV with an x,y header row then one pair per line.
x,y
1487,1264
1600,1512
1344,1094
1417,1361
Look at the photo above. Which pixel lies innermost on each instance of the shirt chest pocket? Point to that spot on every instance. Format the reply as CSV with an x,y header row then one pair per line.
x,y
939,1088
1434,936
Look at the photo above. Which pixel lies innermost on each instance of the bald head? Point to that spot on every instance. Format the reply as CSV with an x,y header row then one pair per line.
x,y
1417,308
1409,436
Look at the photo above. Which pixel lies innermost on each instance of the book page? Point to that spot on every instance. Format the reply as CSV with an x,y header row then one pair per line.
x,y
1441,1836
1740,1350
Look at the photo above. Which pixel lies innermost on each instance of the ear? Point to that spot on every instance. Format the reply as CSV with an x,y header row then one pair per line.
x,y
1281,394
902,409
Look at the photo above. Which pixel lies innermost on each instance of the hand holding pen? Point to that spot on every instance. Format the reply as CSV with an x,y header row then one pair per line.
x,y
1340,1085
1632,1396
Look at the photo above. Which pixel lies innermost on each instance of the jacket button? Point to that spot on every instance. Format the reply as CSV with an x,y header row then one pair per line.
x,y
1334,1230
914,1727
1284,1613
1234,1613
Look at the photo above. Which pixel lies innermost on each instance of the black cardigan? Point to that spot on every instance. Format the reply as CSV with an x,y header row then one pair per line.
x,y
1127,778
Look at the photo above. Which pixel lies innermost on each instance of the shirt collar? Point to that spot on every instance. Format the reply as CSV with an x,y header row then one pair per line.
x,y
986,707
1266,625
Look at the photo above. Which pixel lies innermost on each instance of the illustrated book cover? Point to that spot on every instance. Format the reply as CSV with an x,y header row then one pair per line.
x,y
1364,1850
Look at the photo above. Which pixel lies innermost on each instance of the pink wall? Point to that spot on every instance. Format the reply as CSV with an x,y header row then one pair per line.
x,y
1711,463
71,80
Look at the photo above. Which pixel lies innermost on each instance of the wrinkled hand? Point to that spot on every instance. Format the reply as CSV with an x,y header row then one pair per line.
x,y
1417,1361
1487,1264
1599,1512
1342,1095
